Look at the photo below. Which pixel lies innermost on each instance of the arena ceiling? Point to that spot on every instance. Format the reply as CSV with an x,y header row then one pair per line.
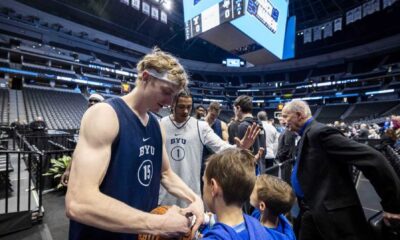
x,y
111,16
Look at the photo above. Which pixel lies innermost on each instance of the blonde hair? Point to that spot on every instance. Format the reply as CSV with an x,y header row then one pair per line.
x,y
163,62
275,193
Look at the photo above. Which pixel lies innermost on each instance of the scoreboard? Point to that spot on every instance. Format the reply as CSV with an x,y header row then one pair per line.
x,y
213,16
265,12
262,23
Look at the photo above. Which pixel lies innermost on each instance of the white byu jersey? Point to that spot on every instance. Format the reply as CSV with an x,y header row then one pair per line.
x,y
185,151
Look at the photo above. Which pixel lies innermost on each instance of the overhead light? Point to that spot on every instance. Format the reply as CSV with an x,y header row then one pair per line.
x,y
167,4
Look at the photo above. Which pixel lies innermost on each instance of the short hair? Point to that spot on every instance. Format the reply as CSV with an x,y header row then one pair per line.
x,y
163,62
299,106
185,92
275,193
200,106
245,102
214,106
234,170
262,116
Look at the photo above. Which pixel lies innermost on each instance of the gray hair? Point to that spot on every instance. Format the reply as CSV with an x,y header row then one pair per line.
x,y
262,116
299,106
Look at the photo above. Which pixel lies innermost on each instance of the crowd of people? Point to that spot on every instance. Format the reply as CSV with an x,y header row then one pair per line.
x,y
127,163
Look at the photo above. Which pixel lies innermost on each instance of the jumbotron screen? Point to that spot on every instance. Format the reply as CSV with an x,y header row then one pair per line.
x,y
264,21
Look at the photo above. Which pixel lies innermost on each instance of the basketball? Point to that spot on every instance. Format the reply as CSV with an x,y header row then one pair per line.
x,y
160,210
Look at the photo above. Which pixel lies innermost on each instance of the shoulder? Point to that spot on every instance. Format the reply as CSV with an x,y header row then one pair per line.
x,y
164,120
100,123
219,231
202,124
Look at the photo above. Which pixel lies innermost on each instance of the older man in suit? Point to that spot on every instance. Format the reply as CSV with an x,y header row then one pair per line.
x,y
329,204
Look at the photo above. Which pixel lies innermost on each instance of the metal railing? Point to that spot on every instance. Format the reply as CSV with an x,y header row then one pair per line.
x,y
24,158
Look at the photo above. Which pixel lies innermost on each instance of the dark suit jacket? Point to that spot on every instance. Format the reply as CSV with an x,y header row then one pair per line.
x,y
324,176
286,146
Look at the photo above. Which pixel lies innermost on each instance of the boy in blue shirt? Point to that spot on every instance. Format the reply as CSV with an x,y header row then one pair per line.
x,y
228,182
272,197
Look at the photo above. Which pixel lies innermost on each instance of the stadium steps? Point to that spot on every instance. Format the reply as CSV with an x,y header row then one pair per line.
x,y
4,107
16,106
21,107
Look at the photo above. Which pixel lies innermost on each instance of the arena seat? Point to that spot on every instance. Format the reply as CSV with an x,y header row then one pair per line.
x,y
331,113
60,110
370,109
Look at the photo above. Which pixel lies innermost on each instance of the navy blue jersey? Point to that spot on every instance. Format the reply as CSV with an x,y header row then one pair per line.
x,y
217,127
134,173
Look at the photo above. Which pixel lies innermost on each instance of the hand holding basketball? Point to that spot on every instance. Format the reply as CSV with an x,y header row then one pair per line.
x,y
174,225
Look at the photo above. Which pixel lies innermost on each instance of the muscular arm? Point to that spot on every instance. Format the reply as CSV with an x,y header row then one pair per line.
x,y
225,134
84,201
174,185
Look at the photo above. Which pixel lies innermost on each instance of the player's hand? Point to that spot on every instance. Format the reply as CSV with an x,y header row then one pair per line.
x,y
249,137
65,178
174,223
197,209
391,218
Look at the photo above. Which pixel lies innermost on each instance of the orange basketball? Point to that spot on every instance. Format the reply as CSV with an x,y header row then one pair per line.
x,y
160,210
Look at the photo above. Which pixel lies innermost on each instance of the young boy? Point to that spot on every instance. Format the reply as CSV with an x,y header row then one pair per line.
x,y
272,197
228,182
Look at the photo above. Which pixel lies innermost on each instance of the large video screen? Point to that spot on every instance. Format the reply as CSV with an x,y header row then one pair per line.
x,y
211,15
264,21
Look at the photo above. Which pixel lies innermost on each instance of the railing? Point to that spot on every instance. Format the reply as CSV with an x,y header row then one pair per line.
x,y
21,185
21,175
282,170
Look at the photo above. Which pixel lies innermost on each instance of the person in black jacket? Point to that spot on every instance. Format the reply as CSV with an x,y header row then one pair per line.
x,y
329,205
286,150
286,144
243,109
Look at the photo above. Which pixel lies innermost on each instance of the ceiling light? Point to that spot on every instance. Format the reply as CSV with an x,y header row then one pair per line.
x,y
167,4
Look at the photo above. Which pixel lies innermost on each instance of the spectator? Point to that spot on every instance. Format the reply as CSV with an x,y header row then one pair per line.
x,y
224,195
219,127
271,139
200,112
95,98
329,204
272,198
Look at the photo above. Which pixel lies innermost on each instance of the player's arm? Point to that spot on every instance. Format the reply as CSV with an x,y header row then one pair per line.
x,y
174,185
225,134
216,144
84,201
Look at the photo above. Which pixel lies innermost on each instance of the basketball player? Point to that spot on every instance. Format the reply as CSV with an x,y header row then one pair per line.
x,y
218,126
120,161
185,140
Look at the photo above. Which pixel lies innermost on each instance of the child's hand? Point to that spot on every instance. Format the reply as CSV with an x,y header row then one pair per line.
x,y
259,154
